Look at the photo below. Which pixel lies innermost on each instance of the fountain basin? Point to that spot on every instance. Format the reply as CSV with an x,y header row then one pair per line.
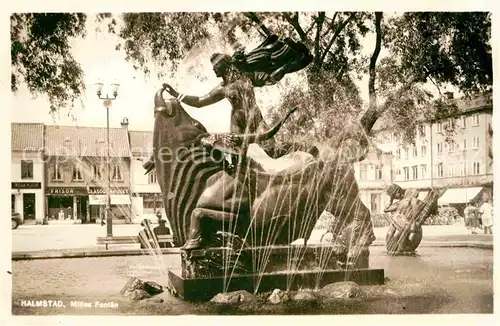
x,y
203,289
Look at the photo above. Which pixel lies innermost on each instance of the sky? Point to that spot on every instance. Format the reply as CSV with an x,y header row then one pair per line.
x,y
102,63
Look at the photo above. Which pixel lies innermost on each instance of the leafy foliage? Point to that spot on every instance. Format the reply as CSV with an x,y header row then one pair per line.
x,y
161,38
41,56
448,47
445,48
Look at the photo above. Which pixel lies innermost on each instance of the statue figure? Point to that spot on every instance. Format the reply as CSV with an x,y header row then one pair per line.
x,y
240,73
406,217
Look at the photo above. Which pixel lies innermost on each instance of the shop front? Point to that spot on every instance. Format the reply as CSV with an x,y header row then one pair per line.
x,y
146,204
120,204
27,200
86,204
67,204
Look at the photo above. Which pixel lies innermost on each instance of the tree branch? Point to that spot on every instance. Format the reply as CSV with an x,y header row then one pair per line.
x,y
310,27
332,24
317,47
336,34
253,17
373,61
295,23
371,116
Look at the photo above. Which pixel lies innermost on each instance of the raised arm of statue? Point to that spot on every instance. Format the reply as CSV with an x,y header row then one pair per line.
x,y
215,95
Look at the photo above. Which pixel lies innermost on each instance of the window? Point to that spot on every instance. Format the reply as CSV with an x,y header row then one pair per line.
x,y
476,168
406,172
423,171
415,152
439,127
378,172
440,148
422,131
414,172
152,177
475,142
451,146
374,203
451,170
57,172
423,150
398,153
463,169
407,153
362,171
475,119
77,173
439,170
116,174
464,121
13,203
26,169
464,144
96,172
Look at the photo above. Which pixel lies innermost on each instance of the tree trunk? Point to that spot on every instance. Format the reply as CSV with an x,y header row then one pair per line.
x,y
371,116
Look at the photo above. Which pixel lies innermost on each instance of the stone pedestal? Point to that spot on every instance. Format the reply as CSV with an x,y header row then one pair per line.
x,y
218,261
206,272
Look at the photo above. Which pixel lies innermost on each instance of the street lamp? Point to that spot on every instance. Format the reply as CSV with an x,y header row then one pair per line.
x,y
107,100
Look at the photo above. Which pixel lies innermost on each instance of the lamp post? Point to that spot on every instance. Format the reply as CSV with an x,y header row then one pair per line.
x,y
107,100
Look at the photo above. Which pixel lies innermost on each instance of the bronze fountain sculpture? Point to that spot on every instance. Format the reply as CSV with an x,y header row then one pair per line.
x,y
230,218
406,217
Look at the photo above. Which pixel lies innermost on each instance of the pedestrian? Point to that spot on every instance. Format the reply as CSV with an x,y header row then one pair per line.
x,y
486,211
471,218
158,216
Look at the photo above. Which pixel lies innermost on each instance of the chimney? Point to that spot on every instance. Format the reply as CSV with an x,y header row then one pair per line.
x,y
124,123
449,95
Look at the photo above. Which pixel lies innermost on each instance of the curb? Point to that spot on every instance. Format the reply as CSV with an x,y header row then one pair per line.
x,y
450,244
83,253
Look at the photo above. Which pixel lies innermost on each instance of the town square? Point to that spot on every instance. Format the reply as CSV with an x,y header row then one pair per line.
x,y
252,163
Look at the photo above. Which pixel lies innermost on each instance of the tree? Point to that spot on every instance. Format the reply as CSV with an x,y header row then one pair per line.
x,y
440,47
42,59
437,47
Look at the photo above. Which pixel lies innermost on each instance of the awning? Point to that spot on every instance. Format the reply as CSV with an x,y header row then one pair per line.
x,y
459,195
120,200
115,200
97,199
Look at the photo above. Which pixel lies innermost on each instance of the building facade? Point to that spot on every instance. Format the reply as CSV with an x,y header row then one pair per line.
x,y
453,153
146,193
373,175
27,171
76,173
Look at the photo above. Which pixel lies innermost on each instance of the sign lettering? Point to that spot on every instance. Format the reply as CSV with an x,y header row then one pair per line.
x,y
84,191
61,191
26,185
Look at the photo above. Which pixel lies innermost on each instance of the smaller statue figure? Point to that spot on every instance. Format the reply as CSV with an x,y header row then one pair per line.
x,y
406,218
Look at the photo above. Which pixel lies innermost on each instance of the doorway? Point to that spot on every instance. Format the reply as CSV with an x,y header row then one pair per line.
x,y
29,207
82,208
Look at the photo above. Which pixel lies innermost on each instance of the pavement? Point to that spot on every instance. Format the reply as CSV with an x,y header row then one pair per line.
x,y
79,240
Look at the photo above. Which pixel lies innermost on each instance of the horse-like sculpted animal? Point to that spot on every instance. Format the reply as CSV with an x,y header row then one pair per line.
x,y
203,195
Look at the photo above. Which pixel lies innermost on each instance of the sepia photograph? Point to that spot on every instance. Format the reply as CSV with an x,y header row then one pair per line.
x,y
229,163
